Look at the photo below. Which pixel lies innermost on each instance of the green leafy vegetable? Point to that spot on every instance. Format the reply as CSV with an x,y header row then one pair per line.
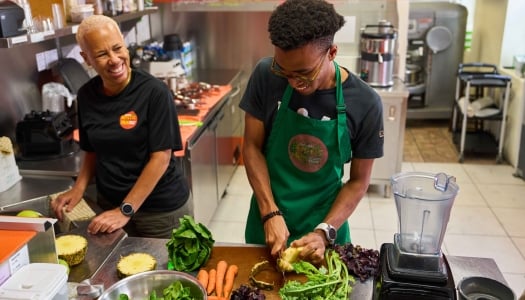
x,y
326,283
190,245
123,297
175,291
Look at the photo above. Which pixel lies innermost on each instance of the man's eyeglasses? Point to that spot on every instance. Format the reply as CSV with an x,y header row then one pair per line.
x,y
302,80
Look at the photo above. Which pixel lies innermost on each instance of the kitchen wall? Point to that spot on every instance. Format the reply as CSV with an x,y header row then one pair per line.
x,y
21,82
224,38
235,36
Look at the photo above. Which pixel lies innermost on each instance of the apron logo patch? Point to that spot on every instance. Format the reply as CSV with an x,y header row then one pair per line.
x,y
307,153
128,120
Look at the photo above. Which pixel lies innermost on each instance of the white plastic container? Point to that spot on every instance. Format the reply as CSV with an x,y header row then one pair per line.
x,y
36,281
81,11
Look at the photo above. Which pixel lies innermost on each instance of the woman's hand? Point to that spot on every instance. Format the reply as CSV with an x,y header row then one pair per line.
x,y
66,201
108,222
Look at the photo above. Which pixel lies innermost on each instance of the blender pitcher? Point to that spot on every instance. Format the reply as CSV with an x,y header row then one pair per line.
x,y
423,202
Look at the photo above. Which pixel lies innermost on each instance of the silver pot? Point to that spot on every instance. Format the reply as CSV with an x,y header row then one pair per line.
x,y
413,74
377,46
141,285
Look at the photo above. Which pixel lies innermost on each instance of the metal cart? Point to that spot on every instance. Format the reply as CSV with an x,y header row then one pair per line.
x,y
482,94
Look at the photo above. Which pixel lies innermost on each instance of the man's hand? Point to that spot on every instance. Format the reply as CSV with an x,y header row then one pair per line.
x,y
313,245
277,235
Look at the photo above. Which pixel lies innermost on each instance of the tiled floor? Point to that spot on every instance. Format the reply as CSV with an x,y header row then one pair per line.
x,y
487,219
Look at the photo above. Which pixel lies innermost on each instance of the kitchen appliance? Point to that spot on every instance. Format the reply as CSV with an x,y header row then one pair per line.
x,y
377,54
478,287
11,19
139,286
436,35
413,266
44,133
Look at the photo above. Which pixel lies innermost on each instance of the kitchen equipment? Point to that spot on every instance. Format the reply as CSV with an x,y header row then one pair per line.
x,y
73,74
141,285
37,281
413,74
377,54
11,19
413,267
55,97
483,288
482,95
436,34
43,132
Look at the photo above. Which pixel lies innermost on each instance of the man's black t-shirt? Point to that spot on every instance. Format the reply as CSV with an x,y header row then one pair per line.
x,y
123,130
364,110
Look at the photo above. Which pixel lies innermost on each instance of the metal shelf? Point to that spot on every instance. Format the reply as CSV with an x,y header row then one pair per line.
x,y
70,29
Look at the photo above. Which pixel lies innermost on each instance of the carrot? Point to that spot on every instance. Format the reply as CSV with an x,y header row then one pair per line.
x,y
216,298
229,279
211,281
203,277
221,274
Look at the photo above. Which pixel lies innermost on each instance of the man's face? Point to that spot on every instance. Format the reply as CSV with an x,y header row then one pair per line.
x,y
104,49
305,67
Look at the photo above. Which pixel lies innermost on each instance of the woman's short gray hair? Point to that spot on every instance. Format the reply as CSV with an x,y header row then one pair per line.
x,y
94,22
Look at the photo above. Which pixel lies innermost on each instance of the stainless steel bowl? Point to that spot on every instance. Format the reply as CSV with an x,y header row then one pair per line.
x,y
483,288
141,285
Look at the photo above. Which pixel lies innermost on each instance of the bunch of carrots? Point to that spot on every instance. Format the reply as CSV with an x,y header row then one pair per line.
x,y
219,280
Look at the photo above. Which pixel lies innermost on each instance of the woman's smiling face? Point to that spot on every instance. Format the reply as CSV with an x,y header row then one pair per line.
x,y
105,50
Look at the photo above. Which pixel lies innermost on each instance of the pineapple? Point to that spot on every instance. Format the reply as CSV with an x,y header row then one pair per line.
x,y
135,263
71,248
289,256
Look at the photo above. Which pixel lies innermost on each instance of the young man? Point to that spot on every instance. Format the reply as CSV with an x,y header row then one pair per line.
x,y
305,118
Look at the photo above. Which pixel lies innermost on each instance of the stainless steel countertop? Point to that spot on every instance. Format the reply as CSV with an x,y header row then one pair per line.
x,y
67,166
397,90
31,187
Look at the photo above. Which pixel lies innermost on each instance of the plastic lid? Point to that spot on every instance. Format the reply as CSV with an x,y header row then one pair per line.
x,y
36,281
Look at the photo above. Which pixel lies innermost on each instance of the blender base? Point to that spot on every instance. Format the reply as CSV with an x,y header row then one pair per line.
x,y
389,287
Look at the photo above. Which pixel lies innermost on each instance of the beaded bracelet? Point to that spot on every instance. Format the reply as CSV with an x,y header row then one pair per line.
x,y
271,215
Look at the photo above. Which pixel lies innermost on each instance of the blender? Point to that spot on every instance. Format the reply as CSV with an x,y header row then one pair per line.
x,y
413,266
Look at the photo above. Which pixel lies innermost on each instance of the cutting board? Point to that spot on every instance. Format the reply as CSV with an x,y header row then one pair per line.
x,y
245,258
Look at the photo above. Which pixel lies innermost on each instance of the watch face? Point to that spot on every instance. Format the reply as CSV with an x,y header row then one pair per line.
x,y
332,233
126,209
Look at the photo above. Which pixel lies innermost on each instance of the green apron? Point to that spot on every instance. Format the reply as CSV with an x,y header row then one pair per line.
x,y
305,159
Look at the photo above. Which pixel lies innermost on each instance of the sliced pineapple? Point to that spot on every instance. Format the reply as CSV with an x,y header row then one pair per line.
x,y
135,263
72,248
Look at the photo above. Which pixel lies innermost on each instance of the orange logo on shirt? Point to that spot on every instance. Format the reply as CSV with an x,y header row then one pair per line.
x,y
128,120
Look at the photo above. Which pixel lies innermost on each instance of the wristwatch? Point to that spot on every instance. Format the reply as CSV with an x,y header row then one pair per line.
x,y
126,209
329,231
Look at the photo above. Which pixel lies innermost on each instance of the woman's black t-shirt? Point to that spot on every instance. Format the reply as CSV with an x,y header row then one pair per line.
x,y
123,130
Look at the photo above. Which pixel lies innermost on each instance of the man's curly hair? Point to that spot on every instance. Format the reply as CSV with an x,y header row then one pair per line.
x,y
295,23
